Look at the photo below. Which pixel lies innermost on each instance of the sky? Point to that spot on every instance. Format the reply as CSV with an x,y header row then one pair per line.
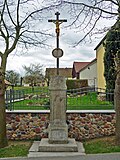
x,y
84,52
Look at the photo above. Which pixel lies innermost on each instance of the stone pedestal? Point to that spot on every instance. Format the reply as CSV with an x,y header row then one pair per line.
x,y
45,146
58,129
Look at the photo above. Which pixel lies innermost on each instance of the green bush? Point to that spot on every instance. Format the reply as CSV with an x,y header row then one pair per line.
x,y
77,83
112,46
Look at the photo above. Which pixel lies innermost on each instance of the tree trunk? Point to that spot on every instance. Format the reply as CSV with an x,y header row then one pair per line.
x,y
117,103
3,137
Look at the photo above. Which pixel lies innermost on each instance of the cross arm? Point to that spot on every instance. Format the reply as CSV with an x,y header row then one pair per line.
x,y
54,21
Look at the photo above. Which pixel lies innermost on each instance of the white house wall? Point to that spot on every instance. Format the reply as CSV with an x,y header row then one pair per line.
x,y
90,73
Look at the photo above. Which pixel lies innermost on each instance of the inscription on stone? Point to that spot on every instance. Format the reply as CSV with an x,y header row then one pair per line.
x,y
58,134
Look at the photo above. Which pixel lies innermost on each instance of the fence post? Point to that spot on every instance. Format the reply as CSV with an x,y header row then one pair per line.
x,y
6,99
13,94
10,99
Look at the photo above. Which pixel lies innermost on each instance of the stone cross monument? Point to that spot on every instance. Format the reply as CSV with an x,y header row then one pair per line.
x,y
58,140
58,129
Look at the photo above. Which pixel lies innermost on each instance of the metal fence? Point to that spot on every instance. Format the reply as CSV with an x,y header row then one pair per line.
x,y
90,98
36,98
77,99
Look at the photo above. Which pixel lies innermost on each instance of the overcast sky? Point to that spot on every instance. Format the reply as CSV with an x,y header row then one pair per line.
x,y
83,52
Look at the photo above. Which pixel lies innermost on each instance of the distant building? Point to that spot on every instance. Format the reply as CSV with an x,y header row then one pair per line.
x,y
66,72
100,51
89,72
77,66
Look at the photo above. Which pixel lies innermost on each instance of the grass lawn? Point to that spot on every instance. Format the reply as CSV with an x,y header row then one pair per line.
x,y
40,104
86,102
16,149
29,88
99,145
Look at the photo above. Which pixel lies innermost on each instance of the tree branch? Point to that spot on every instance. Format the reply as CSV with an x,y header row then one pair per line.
x,y
5,27
39,32
112,2
89,30
9,13
1,54
89,6
17,36
89,19
77,17
39,10
18,5
32,41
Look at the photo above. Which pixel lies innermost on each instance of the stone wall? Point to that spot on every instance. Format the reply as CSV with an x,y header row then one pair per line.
x,y
81,126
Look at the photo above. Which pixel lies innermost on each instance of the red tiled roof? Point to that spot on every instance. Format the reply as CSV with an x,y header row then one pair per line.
x,y
94,60
79,65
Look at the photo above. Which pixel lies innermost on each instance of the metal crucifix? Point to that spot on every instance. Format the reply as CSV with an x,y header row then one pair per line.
x,y
58,50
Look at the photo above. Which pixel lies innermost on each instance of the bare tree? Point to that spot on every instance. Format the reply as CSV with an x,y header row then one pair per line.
x,y
85,16
3,138
19,21
13,77
34,74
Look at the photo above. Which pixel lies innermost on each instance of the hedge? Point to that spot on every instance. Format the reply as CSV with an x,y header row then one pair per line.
x,y
77,83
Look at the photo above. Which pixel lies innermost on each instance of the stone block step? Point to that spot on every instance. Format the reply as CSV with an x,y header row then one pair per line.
x,y
34,151
45,146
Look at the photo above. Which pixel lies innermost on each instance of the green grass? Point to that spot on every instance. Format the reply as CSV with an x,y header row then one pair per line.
x,y
40,104
30,90
95,146
88,101
74,102
15,149
101,145
30,104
